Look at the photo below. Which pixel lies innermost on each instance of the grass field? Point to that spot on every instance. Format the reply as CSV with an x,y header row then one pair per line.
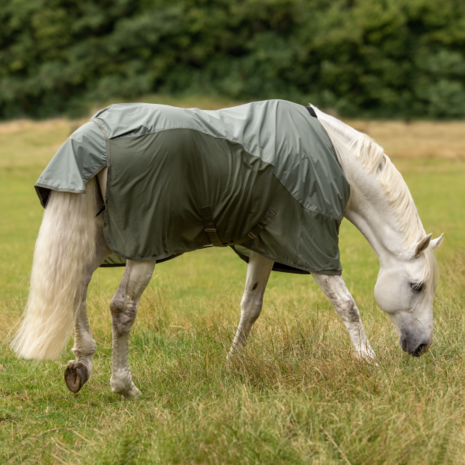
x,y
297,396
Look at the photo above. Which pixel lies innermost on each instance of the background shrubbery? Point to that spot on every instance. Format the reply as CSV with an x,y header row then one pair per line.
x,y
370,58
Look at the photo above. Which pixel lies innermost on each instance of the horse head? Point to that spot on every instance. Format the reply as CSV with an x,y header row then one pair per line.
x,y
405,291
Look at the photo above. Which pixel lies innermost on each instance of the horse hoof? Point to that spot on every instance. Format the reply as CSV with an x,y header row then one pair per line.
x,y
76,375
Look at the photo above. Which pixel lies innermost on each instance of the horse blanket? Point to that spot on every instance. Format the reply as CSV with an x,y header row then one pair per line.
x,y
262,176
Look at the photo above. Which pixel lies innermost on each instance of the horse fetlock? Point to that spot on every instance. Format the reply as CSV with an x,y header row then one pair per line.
x,y
365,352
85,350
76,375
121,383
132,393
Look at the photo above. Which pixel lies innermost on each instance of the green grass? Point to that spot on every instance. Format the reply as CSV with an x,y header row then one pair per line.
x,y
296,396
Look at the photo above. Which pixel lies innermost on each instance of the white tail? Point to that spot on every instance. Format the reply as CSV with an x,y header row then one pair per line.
x,y
65,245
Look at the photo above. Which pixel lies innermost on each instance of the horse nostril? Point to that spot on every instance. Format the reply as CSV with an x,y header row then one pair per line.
x,y
420,350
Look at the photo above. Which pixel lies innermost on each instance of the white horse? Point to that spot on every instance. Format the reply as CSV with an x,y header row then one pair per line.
x,y
71,246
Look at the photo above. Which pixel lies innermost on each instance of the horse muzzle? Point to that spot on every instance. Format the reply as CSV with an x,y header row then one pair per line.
x,y
414,346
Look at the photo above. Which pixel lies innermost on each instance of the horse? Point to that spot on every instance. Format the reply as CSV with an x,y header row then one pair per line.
x,y
71,245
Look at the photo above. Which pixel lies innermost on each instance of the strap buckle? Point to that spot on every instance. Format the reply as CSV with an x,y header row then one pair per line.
x,y
209,224
257,229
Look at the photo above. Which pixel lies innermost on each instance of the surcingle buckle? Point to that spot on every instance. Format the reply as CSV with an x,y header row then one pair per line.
x,y
209,224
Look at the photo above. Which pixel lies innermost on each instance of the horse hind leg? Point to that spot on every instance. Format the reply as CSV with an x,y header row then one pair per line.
x,y
123,308
258,273
78,371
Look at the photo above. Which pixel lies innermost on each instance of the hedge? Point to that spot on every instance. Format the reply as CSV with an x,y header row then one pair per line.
x,y
364,58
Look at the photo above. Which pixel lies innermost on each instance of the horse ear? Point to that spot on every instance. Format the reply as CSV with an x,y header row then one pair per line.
x,y
437,242
422,245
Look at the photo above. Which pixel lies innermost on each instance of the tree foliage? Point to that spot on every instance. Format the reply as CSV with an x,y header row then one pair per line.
x,y
371,58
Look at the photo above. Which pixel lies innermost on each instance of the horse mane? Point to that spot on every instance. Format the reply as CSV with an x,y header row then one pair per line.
x,y
378,164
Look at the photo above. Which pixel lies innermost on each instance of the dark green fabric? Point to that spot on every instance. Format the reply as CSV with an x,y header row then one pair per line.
x,y
165,164
171,175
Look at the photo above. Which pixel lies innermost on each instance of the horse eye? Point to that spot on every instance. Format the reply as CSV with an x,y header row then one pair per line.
x,y
417,287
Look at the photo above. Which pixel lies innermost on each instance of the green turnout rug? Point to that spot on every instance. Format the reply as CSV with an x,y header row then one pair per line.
x,y
262,176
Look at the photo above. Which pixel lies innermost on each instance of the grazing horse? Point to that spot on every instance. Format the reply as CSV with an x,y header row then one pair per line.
x,y
77,235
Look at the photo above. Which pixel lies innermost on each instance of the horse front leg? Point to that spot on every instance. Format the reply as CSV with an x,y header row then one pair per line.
x,y
336,290
258,272
78,371
123,308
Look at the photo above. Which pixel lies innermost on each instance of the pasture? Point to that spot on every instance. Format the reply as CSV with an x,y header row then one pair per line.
x,y
296,395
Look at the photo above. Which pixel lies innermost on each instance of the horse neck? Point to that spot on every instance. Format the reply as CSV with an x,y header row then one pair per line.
x,y
369,208
370,211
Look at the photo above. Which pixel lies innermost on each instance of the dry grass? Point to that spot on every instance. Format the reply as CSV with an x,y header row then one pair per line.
x,y
24,141
420,139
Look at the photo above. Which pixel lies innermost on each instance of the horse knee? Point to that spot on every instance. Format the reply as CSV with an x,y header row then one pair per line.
x,y
251,309
123,314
